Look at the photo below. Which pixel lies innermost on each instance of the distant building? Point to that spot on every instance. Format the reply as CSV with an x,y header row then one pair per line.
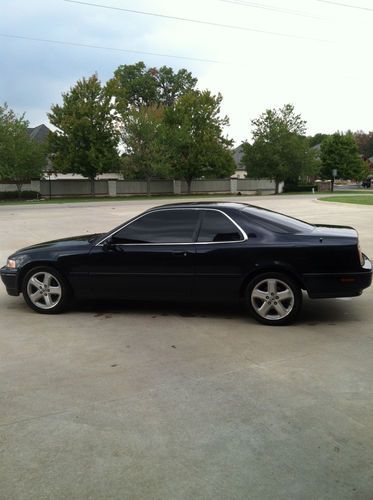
x,y
39,133
317,149
240,172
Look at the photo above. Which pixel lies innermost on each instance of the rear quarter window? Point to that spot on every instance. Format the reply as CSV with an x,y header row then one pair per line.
x,y
276,222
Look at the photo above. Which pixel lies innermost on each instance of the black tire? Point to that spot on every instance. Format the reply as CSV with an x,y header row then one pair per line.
x,y
57,302
280,311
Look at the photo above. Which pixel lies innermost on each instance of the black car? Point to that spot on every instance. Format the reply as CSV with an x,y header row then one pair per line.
x,y
196,251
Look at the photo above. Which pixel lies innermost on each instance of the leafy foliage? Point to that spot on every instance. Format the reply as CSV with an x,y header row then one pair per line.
x,y
86,138
135,85
339,151
142,97
21,158
364,142
316,139
280,150
143,135
194,137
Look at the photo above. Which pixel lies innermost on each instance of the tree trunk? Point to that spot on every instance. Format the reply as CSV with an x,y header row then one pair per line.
x,y
148,191
277,183
189,185
92,187
332,184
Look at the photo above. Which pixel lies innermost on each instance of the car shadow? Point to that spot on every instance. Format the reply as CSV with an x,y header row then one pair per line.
x,y
328,311
162,308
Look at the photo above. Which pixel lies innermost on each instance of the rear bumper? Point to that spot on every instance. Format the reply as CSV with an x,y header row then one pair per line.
x,y
332,285
10,279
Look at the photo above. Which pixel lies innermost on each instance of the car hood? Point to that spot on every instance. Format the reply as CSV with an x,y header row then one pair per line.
x,y
61,244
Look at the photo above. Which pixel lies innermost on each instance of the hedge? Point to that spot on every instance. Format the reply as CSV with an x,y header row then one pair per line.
x,y
13,195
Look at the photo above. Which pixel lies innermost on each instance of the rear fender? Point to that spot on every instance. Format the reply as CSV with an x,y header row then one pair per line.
x,y
277,267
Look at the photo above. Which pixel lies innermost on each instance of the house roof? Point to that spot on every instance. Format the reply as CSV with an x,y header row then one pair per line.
x,y
39,133
237,157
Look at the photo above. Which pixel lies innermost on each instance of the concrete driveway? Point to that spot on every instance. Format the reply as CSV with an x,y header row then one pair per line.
x,y
172,402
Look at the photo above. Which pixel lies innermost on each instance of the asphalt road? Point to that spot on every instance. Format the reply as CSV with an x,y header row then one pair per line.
x,y
162,401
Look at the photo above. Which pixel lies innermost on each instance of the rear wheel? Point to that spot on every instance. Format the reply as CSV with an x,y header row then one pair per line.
x,y
274,298
45,290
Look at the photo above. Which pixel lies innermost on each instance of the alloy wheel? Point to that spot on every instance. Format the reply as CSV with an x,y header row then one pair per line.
x,y
44,290
272,299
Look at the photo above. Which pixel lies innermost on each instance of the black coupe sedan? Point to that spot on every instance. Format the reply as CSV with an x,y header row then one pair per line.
x,y
196,251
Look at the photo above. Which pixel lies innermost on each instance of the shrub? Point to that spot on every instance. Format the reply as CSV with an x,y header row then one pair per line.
x,y
13,195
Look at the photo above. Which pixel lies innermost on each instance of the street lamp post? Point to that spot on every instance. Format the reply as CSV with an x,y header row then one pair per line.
x,y
334,174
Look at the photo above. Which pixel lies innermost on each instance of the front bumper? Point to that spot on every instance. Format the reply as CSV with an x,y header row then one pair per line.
x,y
339,284
10,279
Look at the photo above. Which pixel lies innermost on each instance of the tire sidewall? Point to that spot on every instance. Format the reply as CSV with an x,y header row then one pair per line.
x,y
64,300
292,316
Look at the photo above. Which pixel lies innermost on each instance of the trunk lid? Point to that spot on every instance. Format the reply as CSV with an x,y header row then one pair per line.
x,y
328,231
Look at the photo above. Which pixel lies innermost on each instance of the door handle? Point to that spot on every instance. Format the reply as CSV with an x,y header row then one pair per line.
x,y
180,254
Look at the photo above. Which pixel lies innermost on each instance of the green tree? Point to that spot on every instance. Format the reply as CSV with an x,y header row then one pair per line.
x,y
280,150
87,135
21,158
146,156
364,142
135,85
339,151
194,137
316,139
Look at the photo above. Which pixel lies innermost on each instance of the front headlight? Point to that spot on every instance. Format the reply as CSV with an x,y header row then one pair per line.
x,y
11,264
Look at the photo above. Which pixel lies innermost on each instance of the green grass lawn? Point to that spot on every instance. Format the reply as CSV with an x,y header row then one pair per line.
x,y
344,192
366,199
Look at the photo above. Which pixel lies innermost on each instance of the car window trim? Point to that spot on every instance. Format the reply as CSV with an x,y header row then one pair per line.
x,y
244,235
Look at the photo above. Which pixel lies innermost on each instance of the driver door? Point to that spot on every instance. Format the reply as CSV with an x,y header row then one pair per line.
x,y
153,257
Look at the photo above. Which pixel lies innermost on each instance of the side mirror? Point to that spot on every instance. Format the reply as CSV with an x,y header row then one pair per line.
x,y
107,245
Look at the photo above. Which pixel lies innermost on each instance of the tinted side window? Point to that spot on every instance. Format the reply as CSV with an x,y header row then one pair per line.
x,y
165,226
217,227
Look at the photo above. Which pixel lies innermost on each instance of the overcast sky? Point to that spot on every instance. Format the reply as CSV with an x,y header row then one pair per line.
x,y
323,65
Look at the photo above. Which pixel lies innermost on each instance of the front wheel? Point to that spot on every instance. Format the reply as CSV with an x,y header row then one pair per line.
x,y
274,299
45,290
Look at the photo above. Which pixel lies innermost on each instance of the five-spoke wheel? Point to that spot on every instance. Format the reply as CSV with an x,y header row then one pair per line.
x,y
45,290
274,298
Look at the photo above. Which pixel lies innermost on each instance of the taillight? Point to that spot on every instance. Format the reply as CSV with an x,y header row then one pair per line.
x,y
361,256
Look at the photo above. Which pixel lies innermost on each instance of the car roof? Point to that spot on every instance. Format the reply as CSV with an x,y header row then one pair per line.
x,y
274,220
203,204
